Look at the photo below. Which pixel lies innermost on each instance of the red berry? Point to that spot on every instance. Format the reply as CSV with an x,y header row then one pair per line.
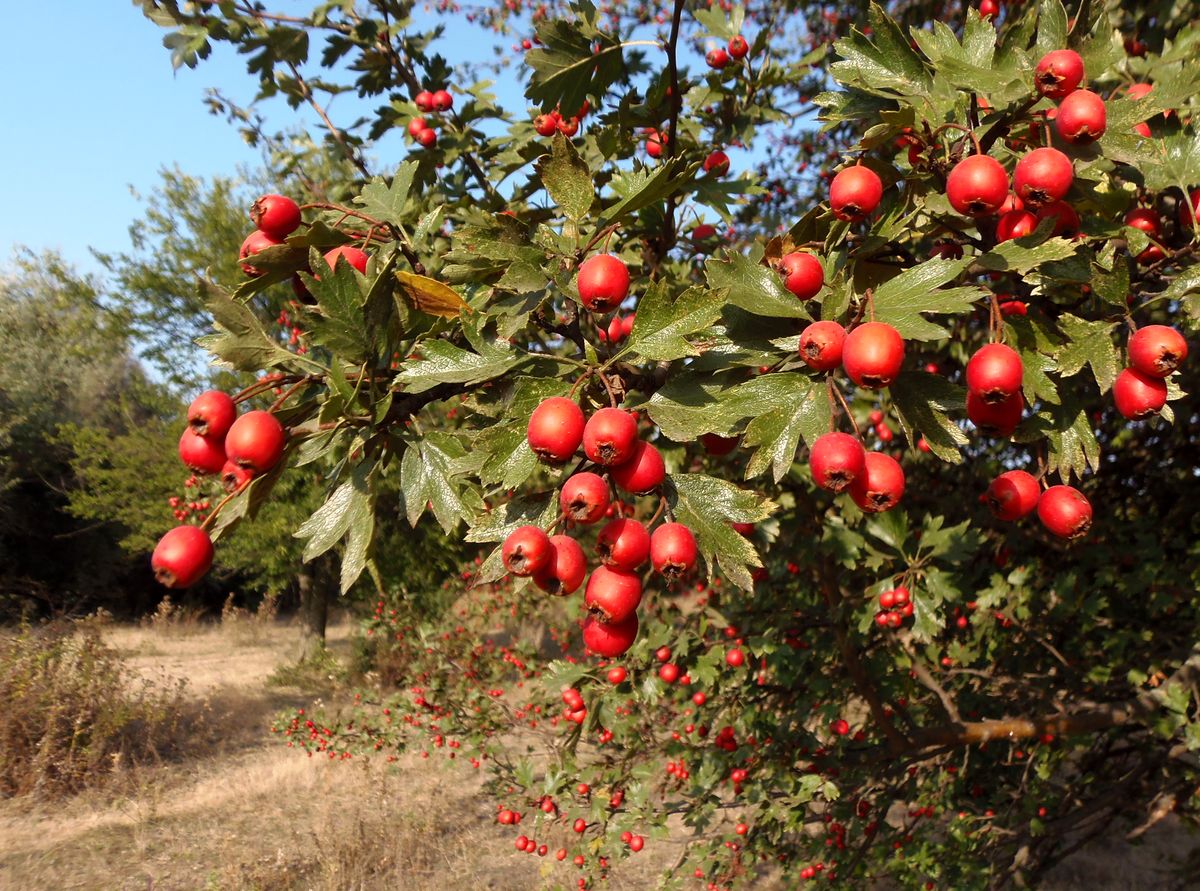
x,y
584,498
977,186
1138,395
855,193
1058,73
613,593
887,599
415,126
424,100
872,355
821,345
610,436
256,441
603,282
623,544
643,472
526,551
1065,512
1157,350
1066,220
1145,219
673,550
182,557
717,58
545,124
837,460
609,639
989,9
1082,118
995,418
738,47
565,570
840,726
1015,224
669,673
995,372
427,137
735,658
555,429
637,843
256,242
803,275
718,445
717,163
1043,176
276,215
1012,495
233,477
352,255
203,454
568,126
901,595
442,101
654,143
663,654
212,413
616,675
881,487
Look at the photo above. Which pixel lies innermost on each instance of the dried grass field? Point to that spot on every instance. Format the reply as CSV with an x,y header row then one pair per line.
x,y
235,809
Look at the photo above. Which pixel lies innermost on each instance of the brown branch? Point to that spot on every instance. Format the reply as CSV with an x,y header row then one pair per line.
x,y
668,236
339,136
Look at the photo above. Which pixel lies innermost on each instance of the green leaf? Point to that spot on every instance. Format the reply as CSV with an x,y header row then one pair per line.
x,y
442,362
386,202
508,460
348,512
804,412
922,401
900,301
566,69
708,505
883,64
660,328
1088,343
1177,162
240,342
567,178
1018,255
693,403
1072,442
337,321
426,479
1052,26
639,188
753,287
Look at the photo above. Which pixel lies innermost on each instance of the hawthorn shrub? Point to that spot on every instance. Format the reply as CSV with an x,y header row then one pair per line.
x,y
74,716
836,504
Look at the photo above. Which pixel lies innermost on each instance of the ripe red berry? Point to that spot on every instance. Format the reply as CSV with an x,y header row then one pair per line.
x,y
568,126
717,163
717,58
654,143
995,372
442,101
1043,176
616,675
643,472
1058,73
738,46
872,355
1065,512
977,186
277,215
1082,118
415,126
424,100
735,658
989,9
840,726
211,414
603,282
545,124
803,275
998,419
881,487
1138,395
427,138
1157,350
555,429
1145,219
717,445
609,639
182,557
821,345
256,242
887,599
673,550
203,454
234,477
526,551
1012,495
637,843
669,673
855,193
565,570
609,437
837,460
352,255
256,441
584,498
623,544
1015,224
1066,220
663,654
613,593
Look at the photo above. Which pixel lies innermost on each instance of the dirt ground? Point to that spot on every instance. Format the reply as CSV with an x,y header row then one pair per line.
x,y
252,814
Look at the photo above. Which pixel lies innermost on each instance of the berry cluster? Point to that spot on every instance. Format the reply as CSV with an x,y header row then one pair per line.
x,y
438,102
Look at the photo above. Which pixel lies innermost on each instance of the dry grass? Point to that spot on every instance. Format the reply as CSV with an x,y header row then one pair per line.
x,y
251,814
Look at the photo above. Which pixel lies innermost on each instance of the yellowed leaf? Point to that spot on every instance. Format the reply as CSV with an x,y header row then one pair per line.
x,y
431,296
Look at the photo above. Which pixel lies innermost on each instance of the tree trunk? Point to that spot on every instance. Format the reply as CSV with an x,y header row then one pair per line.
x,y
313,583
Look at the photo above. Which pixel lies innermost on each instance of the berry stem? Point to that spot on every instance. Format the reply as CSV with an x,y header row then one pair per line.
x,y
835,390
